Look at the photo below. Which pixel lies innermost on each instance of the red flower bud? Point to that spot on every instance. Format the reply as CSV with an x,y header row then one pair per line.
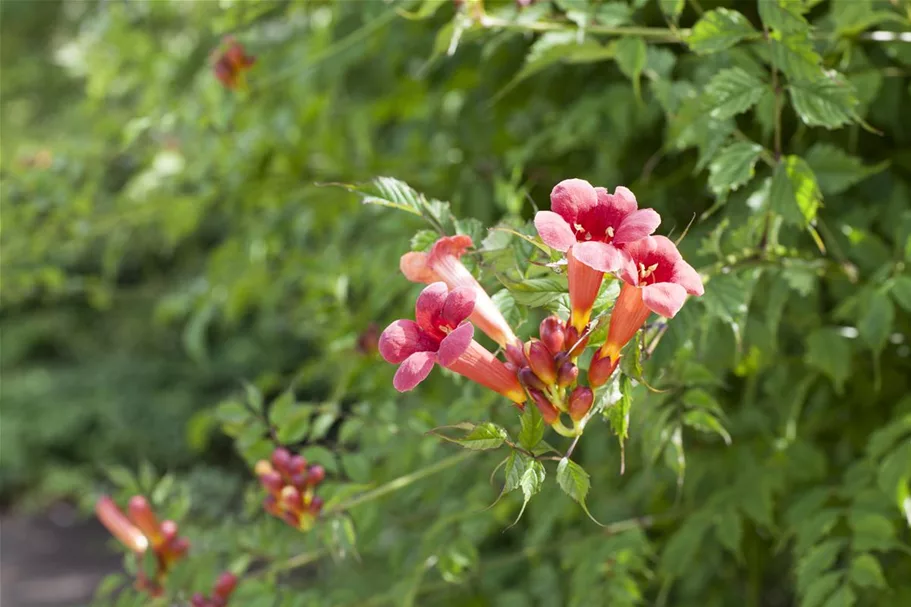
x,y
169,530
198,600
316,475
573,345
601,369
272,482
316,505
548,411
528,379
580,402
280,459
552,334
225,585
299,481
516,355
180,546
541,361
567,374
291,498
296,465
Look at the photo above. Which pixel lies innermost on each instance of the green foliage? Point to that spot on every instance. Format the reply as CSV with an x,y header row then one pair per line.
x,y
190,278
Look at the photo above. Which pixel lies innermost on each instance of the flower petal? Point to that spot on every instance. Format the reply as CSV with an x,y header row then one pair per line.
x,y
688,278
572,197
636,225
401,339
599,256
455,344
429,306
622,201
458,306
664,298
413,370
449,245
554,230
415,268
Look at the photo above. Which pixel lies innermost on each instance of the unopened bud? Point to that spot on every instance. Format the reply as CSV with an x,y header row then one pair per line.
x,y
580,402
316,475
316,505
541,361
548,411
280,459
198,600
225,585
272,482
296,465
516,355
180,546
291,498
601,369
567,374
262,467
531,381
552,334
573,345
299,481
169,530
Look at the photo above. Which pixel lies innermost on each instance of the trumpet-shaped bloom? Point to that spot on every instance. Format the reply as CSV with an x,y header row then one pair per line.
x,y
120,526
441,334
443,263
656,279
592,227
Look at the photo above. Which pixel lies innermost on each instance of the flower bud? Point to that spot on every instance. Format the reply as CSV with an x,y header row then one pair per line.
x,y
601,369
296,465
580,402
552,334
316,505
316,475
225,585
180,546
270,505
272,482
169,530
218,601
291,498
262,467
567,374
299,481
541,361
548,411
516,355
573,345
198,600
528,379
142,516
280,459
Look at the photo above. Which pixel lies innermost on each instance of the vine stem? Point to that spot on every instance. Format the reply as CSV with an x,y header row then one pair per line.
x,y
659,34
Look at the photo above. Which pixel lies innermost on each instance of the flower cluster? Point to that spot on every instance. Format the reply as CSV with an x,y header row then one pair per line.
x,y
221,592
291,485
600,234
140,531
232,63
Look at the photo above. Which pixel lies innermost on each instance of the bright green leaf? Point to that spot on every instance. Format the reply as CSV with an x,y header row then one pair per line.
x,y
836,170
794,193
866,572
733,167
573,479
731,92
423,240
901,292
830,353
783,15
875,323
532,428
483,436
631,54
672,8
828,102
718,30
704,421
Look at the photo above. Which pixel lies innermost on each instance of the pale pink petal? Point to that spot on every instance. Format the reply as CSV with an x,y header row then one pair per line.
x,y
688,278
641,250
455,344
599,256
665,251
636,225
572,197
628,271
401,339
622,201
413,370
664,298
554,230
459,305
414,266
429,306
454,246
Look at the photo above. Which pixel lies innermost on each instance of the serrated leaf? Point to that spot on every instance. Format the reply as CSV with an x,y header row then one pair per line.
x,y
532,428
506,304
733,167
483,436
516,464
732,91
794,192
875,323
389,192
573,479
817,561
538,292
820,589
836,170
866,572
795,55
423,240
702,420
699,398
783,15
672,8
843,597
618,414
828,101
530,482
830,353
901,292
718,30
729,531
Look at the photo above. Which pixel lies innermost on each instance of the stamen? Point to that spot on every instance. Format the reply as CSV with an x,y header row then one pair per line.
x,y
609,231
578,227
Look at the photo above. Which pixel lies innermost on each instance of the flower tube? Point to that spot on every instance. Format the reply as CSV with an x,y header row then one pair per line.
x,y
120,526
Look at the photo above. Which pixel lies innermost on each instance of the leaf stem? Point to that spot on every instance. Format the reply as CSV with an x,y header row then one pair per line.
x,y
656,34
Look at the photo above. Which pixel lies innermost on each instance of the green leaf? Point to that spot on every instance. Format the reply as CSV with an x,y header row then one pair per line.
x,y
573,479
875,323
683,546
516,464
672,8
817,561
531,481
871,531
484,436
828,102
423,240
794,193
619,416
732,91
820,589
538,292
901,292
390,192
699,398
506,304
783,15
702,420
532,428
836,170
843,597
425,10
795,55
729,531
718,30
631,54
733,167
830,353
866,572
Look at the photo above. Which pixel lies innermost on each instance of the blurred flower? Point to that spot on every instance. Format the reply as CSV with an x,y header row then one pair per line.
x,y
221,592
368,340
442,335
232,63
592,227
291,487
443,263
656,279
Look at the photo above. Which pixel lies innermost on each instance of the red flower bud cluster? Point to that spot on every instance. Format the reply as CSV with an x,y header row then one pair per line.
x,y
546,368
292,486
221,592
232,63
140,531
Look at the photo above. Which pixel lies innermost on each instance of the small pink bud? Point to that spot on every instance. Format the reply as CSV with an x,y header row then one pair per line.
x,y
297,465
316,475
280,459
299,481
516,355
262,467
552,334
225,585
198,600
567,374
272,482
541,361
169,530
528,379
601,369
580,402
548,411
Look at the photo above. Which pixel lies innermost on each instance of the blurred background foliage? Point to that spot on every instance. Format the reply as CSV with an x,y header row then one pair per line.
x,y
180,279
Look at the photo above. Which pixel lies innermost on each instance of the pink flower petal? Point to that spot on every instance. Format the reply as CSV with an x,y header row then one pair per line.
x,y
415,268
664,298
429,306
554,230
688,278
622,201
572,197
449,245
664,251
458,306
455,344
413,370
636,225
628,271
599,256
401,339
